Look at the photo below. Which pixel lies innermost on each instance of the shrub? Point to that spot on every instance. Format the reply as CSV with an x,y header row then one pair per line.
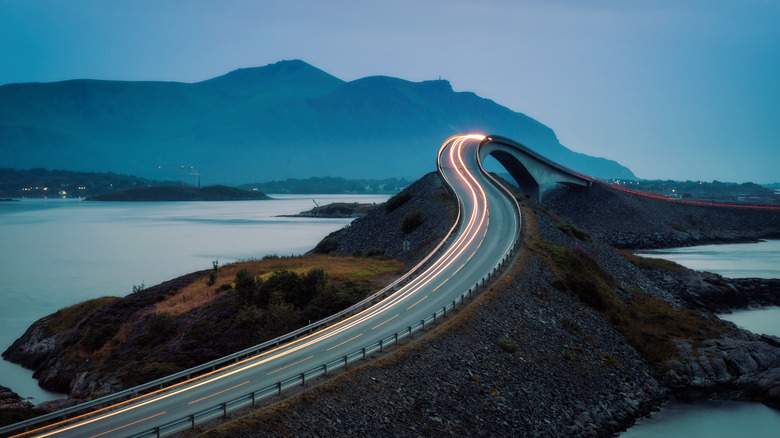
x,y
574,231
326,245
507,345
397,201
98,336
412,220
246,288
161,324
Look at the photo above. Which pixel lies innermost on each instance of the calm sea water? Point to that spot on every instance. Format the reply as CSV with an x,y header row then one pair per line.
x,y
58,252
715,419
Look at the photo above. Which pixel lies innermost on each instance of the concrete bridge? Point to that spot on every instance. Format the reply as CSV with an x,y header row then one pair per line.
x,y
529,169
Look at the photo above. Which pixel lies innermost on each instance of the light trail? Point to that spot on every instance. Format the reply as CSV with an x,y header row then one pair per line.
x,y
467,241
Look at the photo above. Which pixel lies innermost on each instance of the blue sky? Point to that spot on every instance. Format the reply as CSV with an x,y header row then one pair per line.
x,y
685,89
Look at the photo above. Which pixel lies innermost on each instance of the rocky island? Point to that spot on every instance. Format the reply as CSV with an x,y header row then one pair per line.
x,y
174,193
578,338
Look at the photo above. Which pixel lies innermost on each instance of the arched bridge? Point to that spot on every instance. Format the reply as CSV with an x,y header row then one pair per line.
x,y
529,169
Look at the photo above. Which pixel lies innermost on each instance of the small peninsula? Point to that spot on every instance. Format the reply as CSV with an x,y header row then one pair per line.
x,y
172,193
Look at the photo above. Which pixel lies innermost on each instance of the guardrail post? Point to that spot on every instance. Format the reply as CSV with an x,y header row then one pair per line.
x,y
224,410
253,398
410,331
364,352
396,337
157,431
422,324
279,387
345,361
192,421
434,317
381,346
303,379
444,311
325,369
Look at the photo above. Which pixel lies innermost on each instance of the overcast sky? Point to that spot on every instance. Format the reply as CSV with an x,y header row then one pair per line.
x,y
678,89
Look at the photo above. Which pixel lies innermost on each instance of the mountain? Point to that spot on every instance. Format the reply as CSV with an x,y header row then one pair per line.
x,y
284,120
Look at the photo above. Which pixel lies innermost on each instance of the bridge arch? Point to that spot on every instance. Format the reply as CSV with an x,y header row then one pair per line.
x,y
529,169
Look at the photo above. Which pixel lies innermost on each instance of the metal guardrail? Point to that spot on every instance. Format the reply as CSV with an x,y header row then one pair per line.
x,y
277,389
215,364
250,399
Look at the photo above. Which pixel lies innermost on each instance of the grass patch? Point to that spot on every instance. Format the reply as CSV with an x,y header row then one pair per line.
x,y
413,219
67,318
326,245
574,231
340,269
680,228
397,201
650,325
507,345
652,263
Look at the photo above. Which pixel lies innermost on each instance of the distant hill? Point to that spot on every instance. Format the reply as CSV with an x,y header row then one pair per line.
x,y
173,193
39,183
284,120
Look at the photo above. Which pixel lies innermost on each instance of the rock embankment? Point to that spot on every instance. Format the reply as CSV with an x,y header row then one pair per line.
x,y
635,222
380,230
530,357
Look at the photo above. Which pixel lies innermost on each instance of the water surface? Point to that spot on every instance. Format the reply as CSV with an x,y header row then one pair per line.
x,y
58,252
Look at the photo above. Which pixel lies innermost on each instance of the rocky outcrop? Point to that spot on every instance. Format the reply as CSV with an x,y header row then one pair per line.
x,y
738,364
11,400
715,293
380,229
635,222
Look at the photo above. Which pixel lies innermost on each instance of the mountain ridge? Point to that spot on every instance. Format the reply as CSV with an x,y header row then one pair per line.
x,y
287,119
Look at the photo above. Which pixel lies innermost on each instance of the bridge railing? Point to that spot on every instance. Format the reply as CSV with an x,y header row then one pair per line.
x,y
277,389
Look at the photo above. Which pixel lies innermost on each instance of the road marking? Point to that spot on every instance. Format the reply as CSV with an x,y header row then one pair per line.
x,y
288,366
220,392
442,284
129,424
339,345
376,326
418,302
461,267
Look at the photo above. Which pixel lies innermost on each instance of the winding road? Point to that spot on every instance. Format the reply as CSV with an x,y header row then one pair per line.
x,y
489,225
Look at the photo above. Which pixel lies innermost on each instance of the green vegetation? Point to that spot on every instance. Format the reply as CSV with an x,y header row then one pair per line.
x,y
507,345
178,324
173,193
326,245
650,325
397,201
413,219
574,231
67,318
652,263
